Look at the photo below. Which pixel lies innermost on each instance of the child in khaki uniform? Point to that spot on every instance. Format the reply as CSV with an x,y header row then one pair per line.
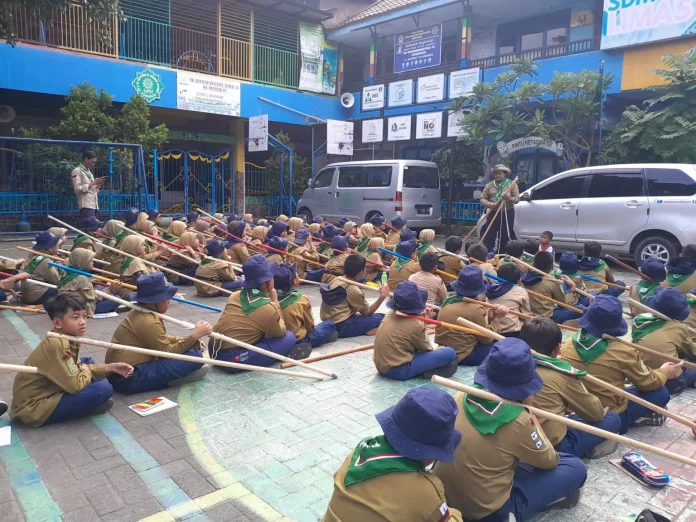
x,y
218,272
380,229
681,274
511,296
452,264
427,280
337,258
236,249
278,244
81,259
91,225
387,478
394,236
47,243
306,250
374,267
592,265
562,290
479,252
402,269
66,387
655,270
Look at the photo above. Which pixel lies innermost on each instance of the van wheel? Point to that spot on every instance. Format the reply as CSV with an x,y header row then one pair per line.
x,y
371,214
656,246
306,214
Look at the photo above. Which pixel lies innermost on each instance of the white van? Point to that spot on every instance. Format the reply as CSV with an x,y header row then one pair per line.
x,y
361,189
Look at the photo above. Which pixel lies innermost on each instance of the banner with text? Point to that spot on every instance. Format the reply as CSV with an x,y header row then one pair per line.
x,y
312,53
431,88
399,128
461,83
339,137
372,131
373,97
206,93
418,49
258,133
401,93
428,125
454,127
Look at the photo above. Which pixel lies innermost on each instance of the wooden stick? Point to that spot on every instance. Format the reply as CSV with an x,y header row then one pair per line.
x,y
331,355
518,314
18,368
659,355
36,253
154,241
657,314
447,253
373,289
630,268
435,322
298,246
564,420
500,203
596,280
22,309
544,274
181,357
201,211
480,329
540,296
67,253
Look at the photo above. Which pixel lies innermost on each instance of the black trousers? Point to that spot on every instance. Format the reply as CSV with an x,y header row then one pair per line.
x,y
501,232
87,213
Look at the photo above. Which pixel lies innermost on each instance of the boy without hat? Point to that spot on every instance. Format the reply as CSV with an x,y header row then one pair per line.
x,y
657,272
452,264
145,330
479,252
511,296
427,280
337,258
402,347
402,269
592,265
486,480
216,272
66,387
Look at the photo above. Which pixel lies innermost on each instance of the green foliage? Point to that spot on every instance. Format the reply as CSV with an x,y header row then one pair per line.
x,y
468,161
662,130
300,171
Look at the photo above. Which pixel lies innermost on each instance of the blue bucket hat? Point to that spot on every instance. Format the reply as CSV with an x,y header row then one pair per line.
x,y
152,214
279,243
569,262
257,271
330,231
469,283
408,298
301,236
284,276
191,217
343,221
654,269
398,222
377,220
278,228
45,240
421,425
318,219
231,218
406,248
339,243
407,235
671,302
91,224
239,230
603,316
215,247
153,288
509,370
131,216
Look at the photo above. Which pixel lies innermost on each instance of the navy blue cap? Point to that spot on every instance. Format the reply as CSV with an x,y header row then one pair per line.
x,y
284,276
569,262
340,243
398,222
257,271
301,236
377,220
215,247
509,370
318,219
279,243
469,282
343,221
152,214
278,228
407,235
45,240
131,216
408,298
406,248
153,288
330,231
91,224
604,316
191,217
670,302
654,269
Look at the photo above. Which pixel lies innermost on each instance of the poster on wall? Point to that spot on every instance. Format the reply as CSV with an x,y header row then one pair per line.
x,y
631,22
258,133
206,93
431,88
373,97
312,53
339,137
461,83
330,69
401,93
399,128
372,131
428,125
418,49
454,129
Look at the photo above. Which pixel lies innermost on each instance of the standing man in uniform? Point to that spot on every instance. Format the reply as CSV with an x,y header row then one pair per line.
x,y
500,192
86,187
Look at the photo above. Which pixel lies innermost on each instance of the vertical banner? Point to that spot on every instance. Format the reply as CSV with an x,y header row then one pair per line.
x,y
312,53
428,125
399,128
372,131
339,137
454,129
418,49
330,70
258,133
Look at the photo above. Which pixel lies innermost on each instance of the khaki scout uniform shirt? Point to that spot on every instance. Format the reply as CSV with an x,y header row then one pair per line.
x,y
563,394
87,197
251,328
398,339
550,287
487,268
145,330
83,286
298,318
32,293
214,273
604,275
392,240
371,270
334,267
36,395
276,258
353,303
686,286
437,291
453,265
479,480
517,300
673,339
395,497
618,363
238,253
303,266
489,192
396,276
462,343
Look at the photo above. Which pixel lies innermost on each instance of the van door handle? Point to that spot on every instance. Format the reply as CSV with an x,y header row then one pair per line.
x,y
337,193
329,192
567,205
634,203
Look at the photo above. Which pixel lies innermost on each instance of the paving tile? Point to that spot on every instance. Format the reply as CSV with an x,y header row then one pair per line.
x,y
105,500
99,466
224,512
193,484
85,514
135,512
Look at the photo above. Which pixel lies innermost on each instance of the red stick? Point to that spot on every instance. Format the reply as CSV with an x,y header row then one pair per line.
x,y
350,251
627,267
99,234
163,241
391,227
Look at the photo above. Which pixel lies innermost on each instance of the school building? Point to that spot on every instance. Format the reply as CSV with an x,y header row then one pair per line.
x,y
390,67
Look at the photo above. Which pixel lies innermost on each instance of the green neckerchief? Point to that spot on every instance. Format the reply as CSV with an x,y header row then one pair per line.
x,y
527,259
252,299
334,254
86,172
400,263
374,457
488,416
588,346
643,324
368,253
123,233
362,244
558,365
291,249
80,238
646,289
126,262
65,279
33,264
452,297
323,248
287,298
677,279
423,248
168,237
499,188
206,261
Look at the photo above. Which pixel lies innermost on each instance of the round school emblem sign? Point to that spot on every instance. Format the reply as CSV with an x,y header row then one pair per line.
x,y
148,85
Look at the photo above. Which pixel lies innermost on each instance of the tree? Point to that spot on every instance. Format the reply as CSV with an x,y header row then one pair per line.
x,y
468,165
300,173
99,13
663,129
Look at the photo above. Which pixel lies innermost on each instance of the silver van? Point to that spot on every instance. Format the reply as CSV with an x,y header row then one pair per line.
x,y
361,189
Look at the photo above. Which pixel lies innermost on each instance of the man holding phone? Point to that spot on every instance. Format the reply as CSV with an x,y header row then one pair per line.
x,y
86,187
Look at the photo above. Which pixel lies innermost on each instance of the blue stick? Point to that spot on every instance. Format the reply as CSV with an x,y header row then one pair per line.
x,y
589,278
395,254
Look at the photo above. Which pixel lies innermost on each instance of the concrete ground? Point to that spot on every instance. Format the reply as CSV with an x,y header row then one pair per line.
x,y
253,446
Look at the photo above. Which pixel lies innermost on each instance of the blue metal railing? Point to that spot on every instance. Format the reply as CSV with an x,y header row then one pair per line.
x,y
50,203
462,211
273,204
144,41
256,179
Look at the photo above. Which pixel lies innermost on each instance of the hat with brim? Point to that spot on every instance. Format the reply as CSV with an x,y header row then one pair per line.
x,y
469,282
421,425
191,217
45,240
301,236
654,269
670,302
509,370
91,224
408,298
377,220
318,219
257,271
215,247
398,222
153,288
130,217
152,214
284,276
604,316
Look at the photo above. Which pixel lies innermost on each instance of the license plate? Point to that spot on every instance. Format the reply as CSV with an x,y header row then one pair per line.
x,y
423,211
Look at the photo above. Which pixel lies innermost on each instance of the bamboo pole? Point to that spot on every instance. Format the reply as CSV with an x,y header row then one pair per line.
x,y
373,289
657,314
22,309
181,357
630,268
500,203
540,296
151,239
37,253
18,368
596,280
331,355
649,351
544,274
518,314
435,322
564,420
447,253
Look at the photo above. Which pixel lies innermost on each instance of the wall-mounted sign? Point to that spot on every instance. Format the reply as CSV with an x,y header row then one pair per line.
x,y
454,128
148,85
258,133
399,128
431,88
372,131
461,83
339,137
418,49
507,148
206,93
428,125
373,97
401,93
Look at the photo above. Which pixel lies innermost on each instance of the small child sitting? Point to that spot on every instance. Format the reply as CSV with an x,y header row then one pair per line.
x,y
592,265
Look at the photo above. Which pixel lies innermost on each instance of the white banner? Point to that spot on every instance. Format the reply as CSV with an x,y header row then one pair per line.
x,y
462,82
428,125
431,88
454,130
399,128
339,137
507,148
401,93
373,97
206,93
258,133
312,53
373,131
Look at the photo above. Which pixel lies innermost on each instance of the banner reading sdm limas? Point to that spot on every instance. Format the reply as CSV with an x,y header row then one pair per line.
x,y
634,22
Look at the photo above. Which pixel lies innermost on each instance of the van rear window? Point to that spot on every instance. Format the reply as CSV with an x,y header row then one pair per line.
x,y
421,177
